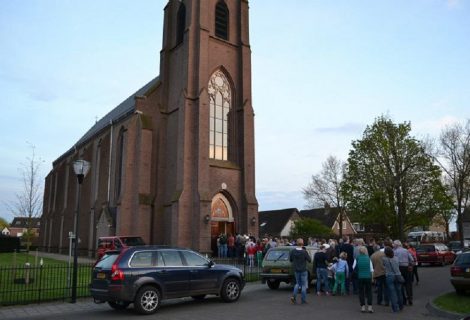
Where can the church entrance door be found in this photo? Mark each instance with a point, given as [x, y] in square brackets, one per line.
[222, 221]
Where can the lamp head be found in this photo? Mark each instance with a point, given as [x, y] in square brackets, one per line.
[81, 168]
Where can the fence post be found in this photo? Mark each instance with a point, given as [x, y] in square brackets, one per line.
[14, 264]
[40, 281]
[27, 273]
[244, 263]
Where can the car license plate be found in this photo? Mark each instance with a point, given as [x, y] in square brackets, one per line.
[100, 275]
[276, 270]
[424, 256]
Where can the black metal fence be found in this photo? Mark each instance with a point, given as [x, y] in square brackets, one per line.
[36, 283]
[251, 269]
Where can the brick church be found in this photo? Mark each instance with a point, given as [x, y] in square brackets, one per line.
[174, 163]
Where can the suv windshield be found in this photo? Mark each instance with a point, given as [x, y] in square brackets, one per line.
[277, 255]
[106, 262]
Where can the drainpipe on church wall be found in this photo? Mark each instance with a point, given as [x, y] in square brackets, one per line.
[110, 160]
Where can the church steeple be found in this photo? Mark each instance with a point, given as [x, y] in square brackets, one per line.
[205, 74]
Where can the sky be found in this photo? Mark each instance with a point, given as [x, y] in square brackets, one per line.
[321, 72]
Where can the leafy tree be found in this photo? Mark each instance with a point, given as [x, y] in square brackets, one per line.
[3, 223]
[28, 202]
[454, 159]
[307, 227]
[392, 180]
[325, 188]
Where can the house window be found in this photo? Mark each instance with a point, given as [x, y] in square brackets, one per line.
[181, 23]
[221, 20]
[219, 104]
[344, 225]
[358, 226]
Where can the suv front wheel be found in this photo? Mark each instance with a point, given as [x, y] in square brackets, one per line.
[147, 300]
[231, 290]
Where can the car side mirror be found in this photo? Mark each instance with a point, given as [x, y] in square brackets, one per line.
[210, 264]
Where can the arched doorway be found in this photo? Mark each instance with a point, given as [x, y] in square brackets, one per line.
[222, 220]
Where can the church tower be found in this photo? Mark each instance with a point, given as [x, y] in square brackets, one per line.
[206, 180]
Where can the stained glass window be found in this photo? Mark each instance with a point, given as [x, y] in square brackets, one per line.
[220, 102]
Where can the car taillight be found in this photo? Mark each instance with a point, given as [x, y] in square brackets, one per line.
[456, 271]
[116, 273]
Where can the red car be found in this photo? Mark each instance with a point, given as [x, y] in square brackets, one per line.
[434, 253]
[117, 243]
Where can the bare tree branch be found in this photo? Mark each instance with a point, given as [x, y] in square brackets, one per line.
[28, 202]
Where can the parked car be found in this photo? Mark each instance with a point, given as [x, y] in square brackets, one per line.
[434, 253]
[456, 246]
[117, 243]
[277, 267]
[460, 273]
[146, 275]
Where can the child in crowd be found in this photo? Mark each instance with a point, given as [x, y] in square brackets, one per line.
[341, 273]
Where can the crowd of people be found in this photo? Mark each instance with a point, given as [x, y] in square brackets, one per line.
[345, 267]
[342, 266]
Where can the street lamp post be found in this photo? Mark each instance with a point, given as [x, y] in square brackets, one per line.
[80, 167]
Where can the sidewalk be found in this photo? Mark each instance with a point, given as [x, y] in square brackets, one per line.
[87, 305]
[65, 307]
[49, 308]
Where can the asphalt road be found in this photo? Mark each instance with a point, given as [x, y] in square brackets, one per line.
[259, 302]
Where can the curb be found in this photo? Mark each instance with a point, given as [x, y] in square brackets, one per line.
[435, 310]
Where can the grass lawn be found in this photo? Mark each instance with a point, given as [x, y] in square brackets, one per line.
[7, 259]
[454, 302]
[49, 282]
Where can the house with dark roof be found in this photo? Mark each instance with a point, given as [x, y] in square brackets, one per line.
[330, 217]
[5, 231]
[277, 223]
[20, 225]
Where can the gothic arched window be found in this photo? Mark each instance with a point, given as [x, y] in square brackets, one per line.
[219, 103]
[221, 20]
[180, 23]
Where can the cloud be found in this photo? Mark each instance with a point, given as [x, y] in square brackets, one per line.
[346, 128]
[42, 96]
[453, 3]
[279, 199]
[434, 126]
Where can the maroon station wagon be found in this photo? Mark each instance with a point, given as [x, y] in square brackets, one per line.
[434, 253]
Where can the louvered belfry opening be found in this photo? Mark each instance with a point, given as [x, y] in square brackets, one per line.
[181, 23]
[221, 20]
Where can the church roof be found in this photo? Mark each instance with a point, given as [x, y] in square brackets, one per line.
[124, 109]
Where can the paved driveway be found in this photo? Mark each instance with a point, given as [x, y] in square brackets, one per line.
[257, 302]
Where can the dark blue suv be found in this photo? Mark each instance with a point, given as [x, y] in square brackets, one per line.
[146, 275]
